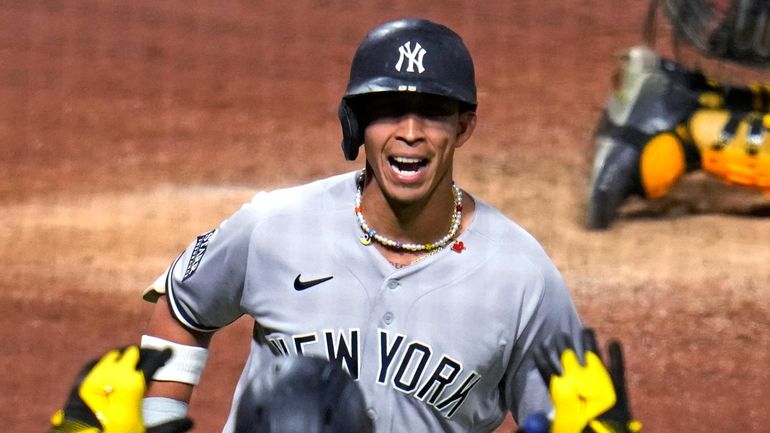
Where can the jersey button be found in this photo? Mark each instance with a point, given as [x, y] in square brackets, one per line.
[393, 284]
[371, 413]
[387, 318]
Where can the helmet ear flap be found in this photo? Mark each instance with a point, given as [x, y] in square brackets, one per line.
[352, 138]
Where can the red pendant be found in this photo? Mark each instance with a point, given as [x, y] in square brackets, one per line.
[458, 247]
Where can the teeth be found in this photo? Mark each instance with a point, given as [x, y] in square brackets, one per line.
[405, 160]
[405, 171]
[406, 166]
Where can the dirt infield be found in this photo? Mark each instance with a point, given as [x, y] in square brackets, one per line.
[127, 128]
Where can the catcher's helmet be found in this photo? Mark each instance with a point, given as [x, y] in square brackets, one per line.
[303, 395]
[407, 55]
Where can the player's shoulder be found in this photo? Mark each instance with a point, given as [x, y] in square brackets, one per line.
[493, 224]
[329, 193]
[306, 202]
[505, 236]
[508, 241]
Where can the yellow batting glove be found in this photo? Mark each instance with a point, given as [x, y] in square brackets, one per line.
[587, 397]
[580, 393]
[114, 391]
[107, 395]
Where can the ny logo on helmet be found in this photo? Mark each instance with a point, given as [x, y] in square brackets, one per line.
[414, 56]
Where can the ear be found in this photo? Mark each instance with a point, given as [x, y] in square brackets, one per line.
[466, 125]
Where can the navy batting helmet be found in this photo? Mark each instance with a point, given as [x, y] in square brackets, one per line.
[303, 395]
[407, 55]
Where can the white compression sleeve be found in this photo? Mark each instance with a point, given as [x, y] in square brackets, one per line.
[159, 410]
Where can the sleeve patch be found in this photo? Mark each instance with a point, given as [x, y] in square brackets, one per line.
[201, 243]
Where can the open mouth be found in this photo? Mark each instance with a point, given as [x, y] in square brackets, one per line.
[407, 166]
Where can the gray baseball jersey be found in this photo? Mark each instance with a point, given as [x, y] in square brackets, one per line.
[444, 344]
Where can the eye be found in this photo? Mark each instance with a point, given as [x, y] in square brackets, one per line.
[434, 109]
[393, 106]
[387, 111]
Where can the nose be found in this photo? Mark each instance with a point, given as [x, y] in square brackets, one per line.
[410, 129]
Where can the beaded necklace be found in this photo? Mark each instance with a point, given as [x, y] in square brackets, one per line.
[371, 234]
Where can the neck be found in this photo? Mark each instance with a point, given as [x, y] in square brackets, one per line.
[420, 221]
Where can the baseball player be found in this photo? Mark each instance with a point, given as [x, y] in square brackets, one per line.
[428, 297]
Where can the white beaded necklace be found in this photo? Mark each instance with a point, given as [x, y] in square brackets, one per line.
[371, 234]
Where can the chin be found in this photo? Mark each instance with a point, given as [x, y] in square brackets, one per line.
[407, 193]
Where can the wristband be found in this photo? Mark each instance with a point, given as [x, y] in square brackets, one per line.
[186, 362]
[160, 410]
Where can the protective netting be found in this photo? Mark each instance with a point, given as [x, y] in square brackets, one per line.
[733, 30]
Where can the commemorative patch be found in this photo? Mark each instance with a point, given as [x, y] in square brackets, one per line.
[201, 243]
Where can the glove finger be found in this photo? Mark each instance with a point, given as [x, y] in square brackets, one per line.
[74, 397]
[75, 408]
[111, 357]
[618, 374]
[544, 363]
[127, 357]
[175, 426]
[150, 360]
[616, 367]
[589, 342]
[84, 371]
[563, 342]
[570, 363]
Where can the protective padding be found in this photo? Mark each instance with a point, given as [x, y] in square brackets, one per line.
[352, 136]
[662, 162]
[736, 157]
[407, 55]
[732, 30]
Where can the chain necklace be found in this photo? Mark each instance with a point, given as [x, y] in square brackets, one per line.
[371, 234]
[415, 261]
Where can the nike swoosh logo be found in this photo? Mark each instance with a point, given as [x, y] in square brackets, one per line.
[302, 285]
